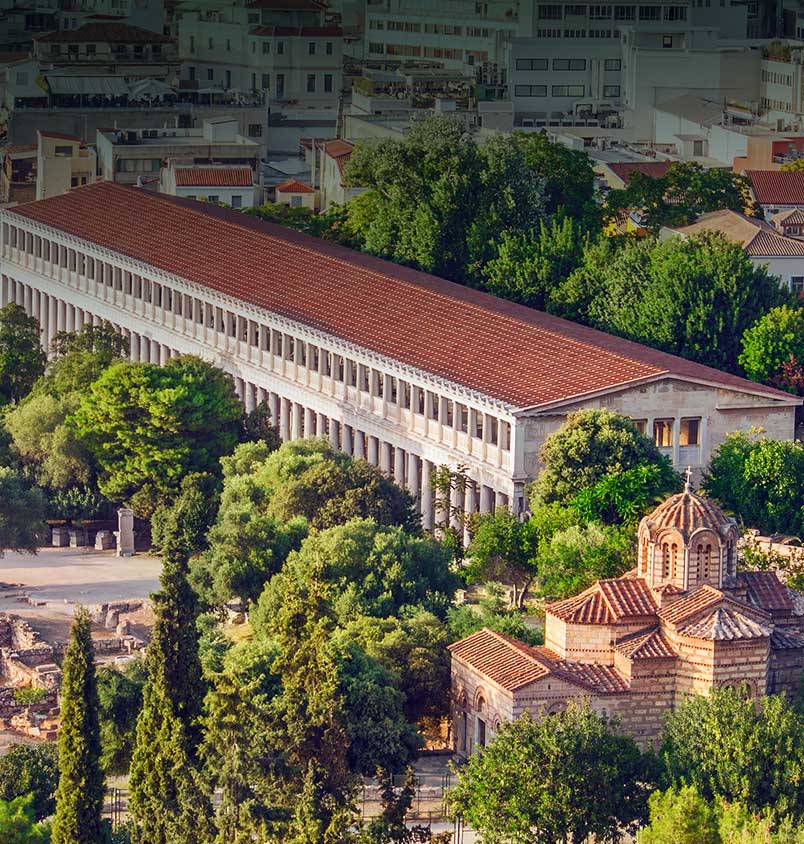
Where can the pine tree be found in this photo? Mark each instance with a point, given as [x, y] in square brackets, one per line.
[169, 798]
[80, 793]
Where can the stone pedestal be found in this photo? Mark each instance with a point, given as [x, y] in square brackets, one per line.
[104, 540]
[125, 532]
[78, 537]
[60, 537]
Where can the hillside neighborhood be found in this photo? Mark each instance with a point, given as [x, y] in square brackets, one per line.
[401, 422]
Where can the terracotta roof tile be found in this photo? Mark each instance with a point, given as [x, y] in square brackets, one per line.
[649, 644]
[625, 169]
[687, 512]
[758, 238]
[112, 33]
[766, 591]
[601, 679]
[725, 624]
[783, 638]
[777, 187]
[606, 602]
[294, 186]
[59, 136]
[701, 599]
[13, 57]
[223, 177]
[507, 662]
[17, 148]
[515, 354]
[791, 217]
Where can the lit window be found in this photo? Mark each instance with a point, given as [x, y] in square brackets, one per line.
[663, 432]
[689, 432]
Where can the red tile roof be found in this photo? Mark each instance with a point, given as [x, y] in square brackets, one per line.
[650, 644]
[777, 187]
[294, 186]
[758, 238]
[698, 601]
[271, 30]
[791, 217]
[112, 33]
[724, 624]
[17, 148]
[626, 169]
[218, 177]
[687, 512]
[512, 664]
[59, 136]
[765, 591]
[515, 354]
[606, 602]
[507, 662]
[12, 57]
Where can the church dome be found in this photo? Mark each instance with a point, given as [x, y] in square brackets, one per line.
[685, 542]
[688, 513]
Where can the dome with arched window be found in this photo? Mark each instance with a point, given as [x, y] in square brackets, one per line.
[687, 541]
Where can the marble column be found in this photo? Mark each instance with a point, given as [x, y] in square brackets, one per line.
[427, 495]
[320, 425]
[360, 444]
[309, 423]
[155, 352]
[486, 499]
[412, 474]
[284, 420]
[347, 446]
[372, 450]
[399, 466]
[297, 421]
[500, 501]
[164, 354]
[334, 433]
[134, 351]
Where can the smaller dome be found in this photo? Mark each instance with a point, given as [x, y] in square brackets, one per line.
[687, 513]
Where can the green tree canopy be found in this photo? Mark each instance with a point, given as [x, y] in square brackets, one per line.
[591, 445]
[190, 515]
[82, 787]
[739, 750]
[680, 816]
[761, 480]
[692, 297]
[119, 702]
[679, 197]
[148, 427]
[18, 823]
[362, 568]
[31, 770]
[773, 340]
[562, 778]
[438, 201]
[22, 513]
[169, 803]
[22, 359]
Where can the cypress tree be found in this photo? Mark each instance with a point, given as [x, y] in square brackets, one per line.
[80, 793]
[169, 800]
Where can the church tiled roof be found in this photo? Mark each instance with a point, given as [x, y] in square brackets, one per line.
[725, 624]
[606, 602]
[650, 644]
[688, 512]
[701, 599]
[783, 638]
[765, 591]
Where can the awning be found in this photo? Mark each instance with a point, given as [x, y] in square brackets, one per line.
[114, 86]
[150, 88]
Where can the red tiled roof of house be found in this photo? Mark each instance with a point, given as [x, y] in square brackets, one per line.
[112, 33]
[13, 57]
[626, 169]
[791, 217]
[724, 624]
[217, 177]
[765, 591]
[606, 602]
[601, 679]
[650, 644]
[337, 148]
[507, 662]
[294, 186]
[758, 238]
[18, 148]
[271, 30]
[287, 5]
[59, 136]
[777, 187]
[517, 355]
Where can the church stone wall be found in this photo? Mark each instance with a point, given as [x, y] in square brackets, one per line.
[785, 672]
[579, 642]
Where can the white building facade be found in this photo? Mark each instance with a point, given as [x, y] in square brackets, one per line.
[345, 384]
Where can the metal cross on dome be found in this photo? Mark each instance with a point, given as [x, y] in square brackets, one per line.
[688, 483]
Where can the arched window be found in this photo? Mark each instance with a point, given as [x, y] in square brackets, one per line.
[699, 556]
[707, 561]
[644, 563]
[665, 560]
[730, 559]
[673, 560]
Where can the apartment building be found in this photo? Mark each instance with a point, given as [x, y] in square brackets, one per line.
[285, 48]
[63, 162]
[231, 185]
[458, 34]
[136, 156]
[406, 370]
[597, 60]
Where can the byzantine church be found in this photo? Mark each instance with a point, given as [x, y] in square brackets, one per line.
[684, 621]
